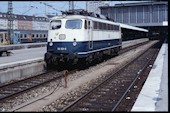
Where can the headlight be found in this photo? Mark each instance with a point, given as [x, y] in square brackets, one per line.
[51, 44]
[74, 42]
[62, 36]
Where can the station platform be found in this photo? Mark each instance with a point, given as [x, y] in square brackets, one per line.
[22, 46]
[154, 93]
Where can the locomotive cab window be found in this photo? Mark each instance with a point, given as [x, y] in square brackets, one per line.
[73, 24]
[56, 24]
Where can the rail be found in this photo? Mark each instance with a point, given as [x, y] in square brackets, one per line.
[114, 86]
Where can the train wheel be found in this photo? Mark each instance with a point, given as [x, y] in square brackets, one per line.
[82, 63]
[116, 51]
[99, 57]
[70, 65]
[48, 66]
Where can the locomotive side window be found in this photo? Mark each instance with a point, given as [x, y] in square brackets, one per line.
[95, 25]
[73, 24]
[55, 24]
[112, 27]
[116, 28]
[109, 26]
[100, 26]
[104, 26]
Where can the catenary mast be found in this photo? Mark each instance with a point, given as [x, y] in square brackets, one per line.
[10, 21]
[71, 5]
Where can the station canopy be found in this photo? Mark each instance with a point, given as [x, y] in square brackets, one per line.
[132, 27]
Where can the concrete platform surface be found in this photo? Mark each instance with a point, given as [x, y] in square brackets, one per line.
[154, 93]
[22, 54]
[22, 46]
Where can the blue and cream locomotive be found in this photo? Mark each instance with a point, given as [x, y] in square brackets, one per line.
[81, 37]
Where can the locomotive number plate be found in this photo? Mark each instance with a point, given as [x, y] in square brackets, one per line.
[61, 48]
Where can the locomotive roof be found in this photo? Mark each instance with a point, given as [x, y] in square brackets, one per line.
[82, 17]
[69, 17]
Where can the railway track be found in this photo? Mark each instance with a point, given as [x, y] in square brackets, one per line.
[108, 95]
[129, 99]
[127, 103]
[8, 91]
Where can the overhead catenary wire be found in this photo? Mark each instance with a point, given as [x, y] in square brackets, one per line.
[51, 7]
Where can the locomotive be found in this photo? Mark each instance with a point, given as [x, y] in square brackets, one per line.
[81, 37]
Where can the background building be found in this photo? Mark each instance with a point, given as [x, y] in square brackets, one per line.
[24, 22]
[138, 14]
[93, 6]
[149, 15]
[26, 27]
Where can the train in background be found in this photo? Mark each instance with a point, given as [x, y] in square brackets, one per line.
[32, 36]
[81, 37]
[19, 37]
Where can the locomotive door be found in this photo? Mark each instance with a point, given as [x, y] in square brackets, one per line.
[1, 38]
[90, 35]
